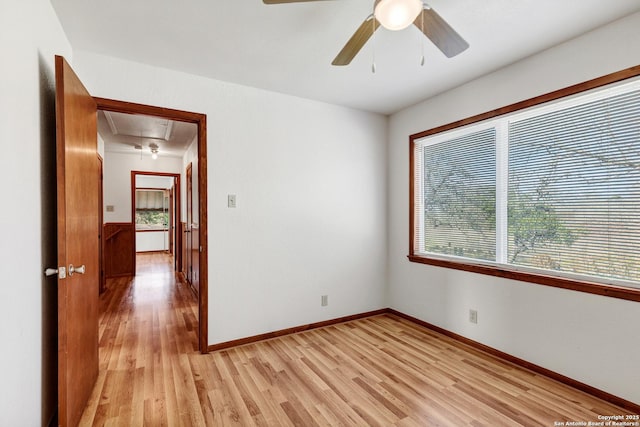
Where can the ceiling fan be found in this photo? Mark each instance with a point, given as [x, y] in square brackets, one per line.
[397, 15]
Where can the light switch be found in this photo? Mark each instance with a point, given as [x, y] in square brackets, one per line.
[109, 208]
[231, 201]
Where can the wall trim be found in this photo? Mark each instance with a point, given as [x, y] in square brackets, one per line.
[593, 391]
[294, 330]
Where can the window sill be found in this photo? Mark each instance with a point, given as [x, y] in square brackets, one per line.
[150, 230]
[613, 291]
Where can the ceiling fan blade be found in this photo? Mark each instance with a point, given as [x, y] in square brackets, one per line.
[440, 33]
[357, 40]
[287, 1]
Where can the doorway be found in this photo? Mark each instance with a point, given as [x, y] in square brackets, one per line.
[199, 120]
[156, 208]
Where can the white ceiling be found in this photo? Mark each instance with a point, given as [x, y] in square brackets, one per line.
[288, 48]
[136, 134]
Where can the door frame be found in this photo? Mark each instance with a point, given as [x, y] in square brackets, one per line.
[188, 188]
[103, 280]
[201, 121]
[178, 214]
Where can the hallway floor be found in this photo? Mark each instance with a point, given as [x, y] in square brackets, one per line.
[148, 330]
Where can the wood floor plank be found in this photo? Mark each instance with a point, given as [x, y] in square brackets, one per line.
[377, 371]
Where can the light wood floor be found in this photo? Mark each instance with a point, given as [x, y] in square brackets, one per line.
[378, 371]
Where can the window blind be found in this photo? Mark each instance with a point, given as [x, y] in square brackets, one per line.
[457, 195]
[574, 189]
[150, 199]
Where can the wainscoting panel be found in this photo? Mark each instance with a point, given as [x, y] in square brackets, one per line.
[119, 249]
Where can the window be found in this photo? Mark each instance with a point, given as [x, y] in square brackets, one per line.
[548, 194]
[152, 209]
[459, 193]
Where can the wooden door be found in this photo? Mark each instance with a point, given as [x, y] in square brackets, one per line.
[170, 226]
[188, 271]
[183, 249]
[195, 253]
[78, 191]
[103, 280]
[193, 220]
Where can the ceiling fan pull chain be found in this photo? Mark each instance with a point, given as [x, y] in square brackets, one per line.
[422, 38]
[373, 45]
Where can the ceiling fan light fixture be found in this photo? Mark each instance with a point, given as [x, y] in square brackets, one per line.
[397, 14]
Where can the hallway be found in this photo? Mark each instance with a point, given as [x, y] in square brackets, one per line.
[148, 327]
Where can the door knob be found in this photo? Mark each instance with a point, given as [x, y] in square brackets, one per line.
[79, 270]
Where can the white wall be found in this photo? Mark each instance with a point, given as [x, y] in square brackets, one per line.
[100, 146]
[30, 36]
[152, 241]
[310, 180]
[154, 181]
[589, 338]
[117, 179]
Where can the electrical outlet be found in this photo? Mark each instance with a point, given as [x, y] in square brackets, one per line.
[231, 200]
[324, 300]
[473, 316]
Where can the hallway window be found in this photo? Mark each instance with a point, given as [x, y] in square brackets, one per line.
[152, 209]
